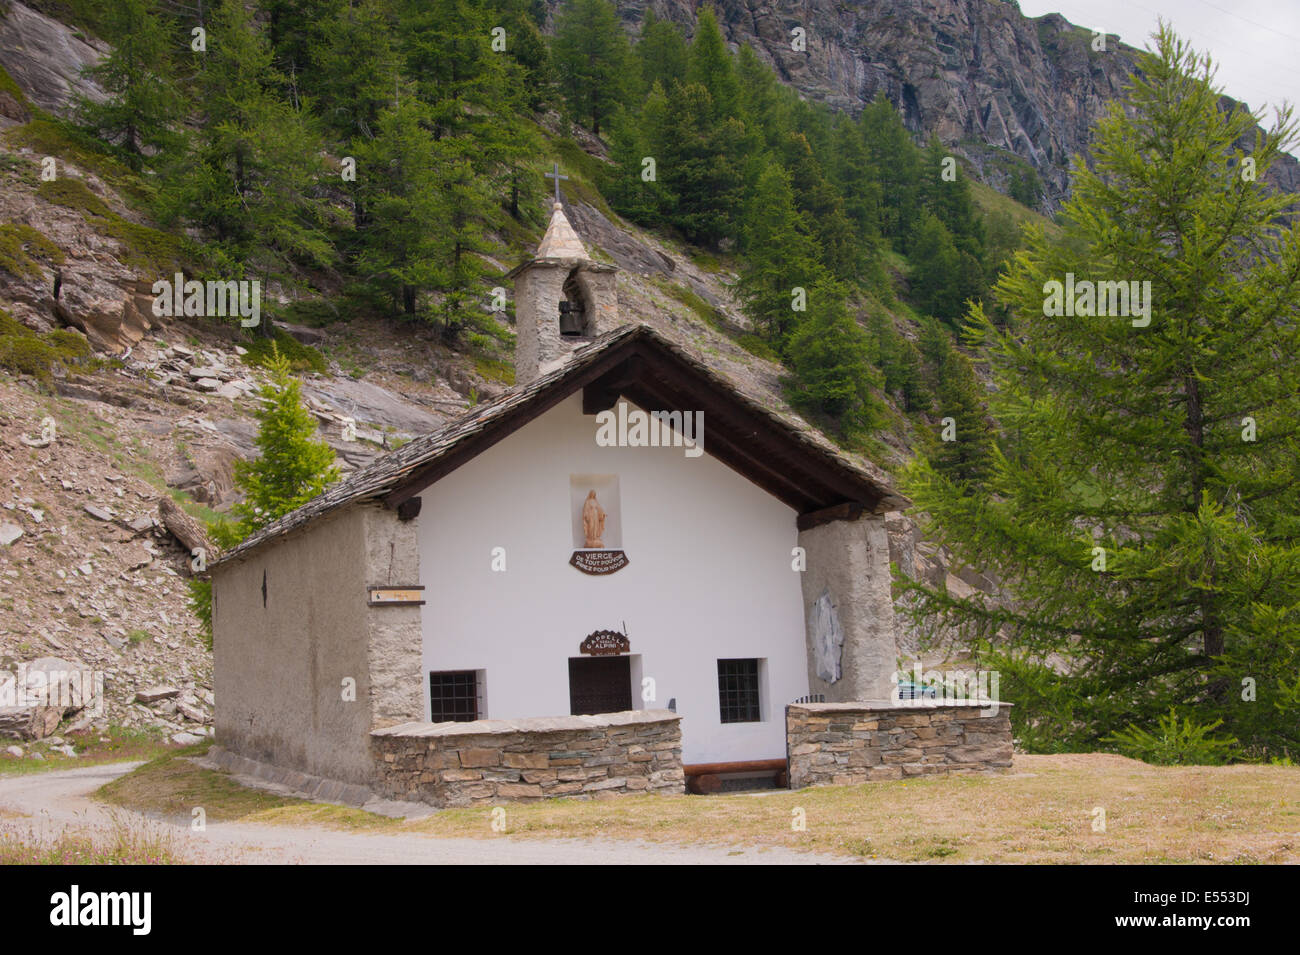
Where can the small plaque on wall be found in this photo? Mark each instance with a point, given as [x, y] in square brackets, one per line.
[396, 596]
[605, 643]
[598, 562]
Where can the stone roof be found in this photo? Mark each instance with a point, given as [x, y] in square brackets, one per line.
[560, 241]
[485, 423]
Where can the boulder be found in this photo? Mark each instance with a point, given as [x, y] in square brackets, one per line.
[41, 694]
[152, 694]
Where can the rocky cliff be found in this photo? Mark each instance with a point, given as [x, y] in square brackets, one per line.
[987, 80]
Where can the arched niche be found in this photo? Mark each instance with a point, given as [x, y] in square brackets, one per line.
[577, 311]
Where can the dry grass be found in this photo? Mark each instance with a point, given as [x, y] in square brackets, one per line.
[1042, 812]
[120, 842]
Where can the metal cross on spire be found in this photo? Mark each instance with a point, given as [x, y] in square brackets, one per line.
[557, 176]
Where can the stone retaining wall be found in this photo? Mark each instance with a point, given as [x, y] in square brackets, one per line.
[466, 764]
[838, 743]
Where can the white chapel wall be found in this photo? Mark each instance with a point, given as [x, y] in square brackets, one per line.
[709, 577]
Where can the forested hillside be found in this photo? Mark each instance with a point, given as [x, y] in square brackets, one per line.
[378, 165]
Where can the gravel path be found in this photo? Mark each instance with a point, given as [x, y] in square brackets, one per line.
[49, 802]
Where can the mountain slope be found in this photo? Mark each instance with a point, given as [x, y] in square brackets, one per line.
[996, 86]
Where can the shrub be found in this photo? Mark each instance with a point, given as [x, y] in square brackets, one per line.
[1178, 742]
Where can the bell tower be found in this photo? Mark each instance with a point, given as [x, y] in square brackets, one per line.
[562, 300]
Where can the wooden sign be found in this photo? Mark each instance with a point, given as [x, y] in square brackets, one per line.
[396, 596]
[598, 562]
[604, 643]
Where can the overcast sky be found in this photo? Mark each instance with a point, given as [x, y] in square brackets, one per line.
[1255, 43]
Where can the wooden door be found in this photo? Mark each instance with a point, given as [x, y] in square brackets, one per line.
[600, 685]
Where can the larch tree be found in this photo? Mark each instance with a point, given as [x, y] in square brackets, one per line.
[1142, 505]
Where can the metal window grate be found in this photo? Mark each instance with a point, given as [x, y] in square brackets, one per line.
[738, 691]
[453, 696]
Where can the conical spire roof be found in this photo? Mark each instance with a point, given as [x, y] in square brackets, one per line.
[560, 241]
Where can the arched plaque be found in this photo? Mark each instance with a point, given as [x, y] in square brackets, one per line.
[604, 643]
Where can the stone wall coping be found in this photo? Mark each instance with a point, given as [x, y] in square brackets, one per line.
[532, 724]
[879, 706]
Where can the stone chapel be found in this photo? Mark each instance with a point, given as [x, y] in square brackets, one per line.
[618, 576]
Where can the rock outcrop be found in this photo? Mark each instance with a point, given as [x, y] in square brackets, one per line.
[46, 58]
[987, 80]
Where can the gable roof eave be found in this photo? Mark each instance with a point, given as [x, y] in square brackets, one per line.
[405, 472]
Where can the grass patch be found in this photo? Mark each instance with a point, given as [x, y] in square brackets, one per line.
[48, 136]
[25, 352]
[495, 369]
[1040, 814]
[301, 357]
[752, 342]
[115, 745]
[173, 786]
[22, 249]
[9, 85]
[144, 247]
[584, 171]
[991, 202]
[204, 515]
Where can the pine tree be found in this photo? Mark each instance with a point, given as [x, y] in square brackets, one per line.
[1142, 506]
[830, 360]
[249, 178]
[662, 52]
[356, 64]
[292, 468]
[936, 278]
[142, 111]
[897, 168]
[593, 60]
[702, 163]
[710, 66]
[963, 451]
[398, 184]
[780, 255]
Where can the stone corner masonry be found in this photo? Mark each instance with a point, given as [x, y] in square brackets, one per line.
[855, 742]
[485, 761]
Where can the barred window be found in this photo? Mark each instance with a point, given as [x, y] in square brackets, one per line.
[453, 696]
[738, 691]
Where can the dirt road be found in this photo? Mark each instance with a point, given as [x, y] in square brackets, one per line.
[47, 803]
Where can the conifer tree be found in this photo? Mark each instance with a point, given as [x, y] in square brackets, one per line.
[962, 453]
[936, 276]
[896, 163]
[143, 108]
[830, 360]
[662, 52]
[780, 255]
[356, 65]
[710, 66]
[249, 178]
[702, 162]
[398, 185]
[593, 60]
[1141, 508]
[292, 468]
